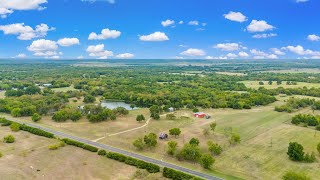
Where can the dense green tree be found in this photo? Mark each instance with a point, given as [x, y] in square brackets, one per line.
[295, 151]
[15, 127]
[172, 147]
[150, 140]
[138, 143]
[140, 118]
[16, 112]
[206, 161]
[214, 148]
[89, 99]
[36, 117]
[175, 132]
[190, 152]
[194, 141]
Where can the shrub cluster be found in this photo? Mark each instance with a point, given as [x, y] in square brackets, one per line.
[80, 144]
[151, 168]
[177, 175]
[5, 122]
[308, 119]
[36, 131]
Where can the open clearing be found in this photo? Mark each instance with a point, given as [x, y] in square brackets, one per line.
[255, 85]
[64, 89]
[254, 158]
[2, 94]
[30, 153]
[231, 73]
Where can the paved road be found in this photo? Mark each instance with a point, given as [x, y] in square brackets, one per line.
[117, 150]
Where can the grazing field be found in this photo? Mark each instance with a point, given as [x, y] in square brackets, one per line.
[255, 85]
[30, 158]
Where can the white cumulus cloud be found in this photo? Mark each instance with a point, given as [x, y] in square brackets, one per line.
[9, 6]
[277, 51]
[21, 56]
[264, 35]
[193, 23]
[99, 51]
[259, 26]
[105, 34]
[167, 22]
[313, 37]
[193, 52]
[43, 47]
[228, 46]
[235, 16]
[125, 56]
[156, 36]
[25, 32]
[300, 50]
[243, 54]
[68, 41]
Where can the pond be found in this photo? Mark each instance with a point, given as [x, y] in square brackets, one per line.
[115, 104]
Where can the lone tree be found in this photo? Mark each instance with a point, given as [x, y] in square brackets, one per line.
[150, 140]
[175, 132]
[132, 106]
[140, 118]
[213, 126]
[36, 117]
[172, 147]
[194, 142]
[206, 161]
[138, 143]
[295, 151]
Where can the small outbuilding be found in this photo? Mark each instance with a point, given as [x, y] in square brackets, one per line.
[199, 115]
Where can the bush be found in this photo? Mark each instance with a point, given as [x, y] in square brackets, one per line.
[9, 139]
[235, 138]
[15, 127]
[295, 151]
[318, 127]
[80, 144]
[1, 155]
[310, 158]
[36, 131]
[5, 122]
[214, 148]
[151, 168]
[178, 175]
[206, 161]
[54, 147]
[36, 117]
[102, 152]
[194, 141]
[291, 175]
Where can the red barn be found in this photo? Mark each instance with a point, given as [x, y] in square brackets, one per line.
[199, 115]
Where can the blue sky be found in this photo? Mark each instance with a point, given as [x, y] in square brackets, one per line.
[197, 29]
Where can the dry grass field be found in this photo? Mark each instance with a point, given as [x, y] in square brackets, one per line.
[30, 158]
